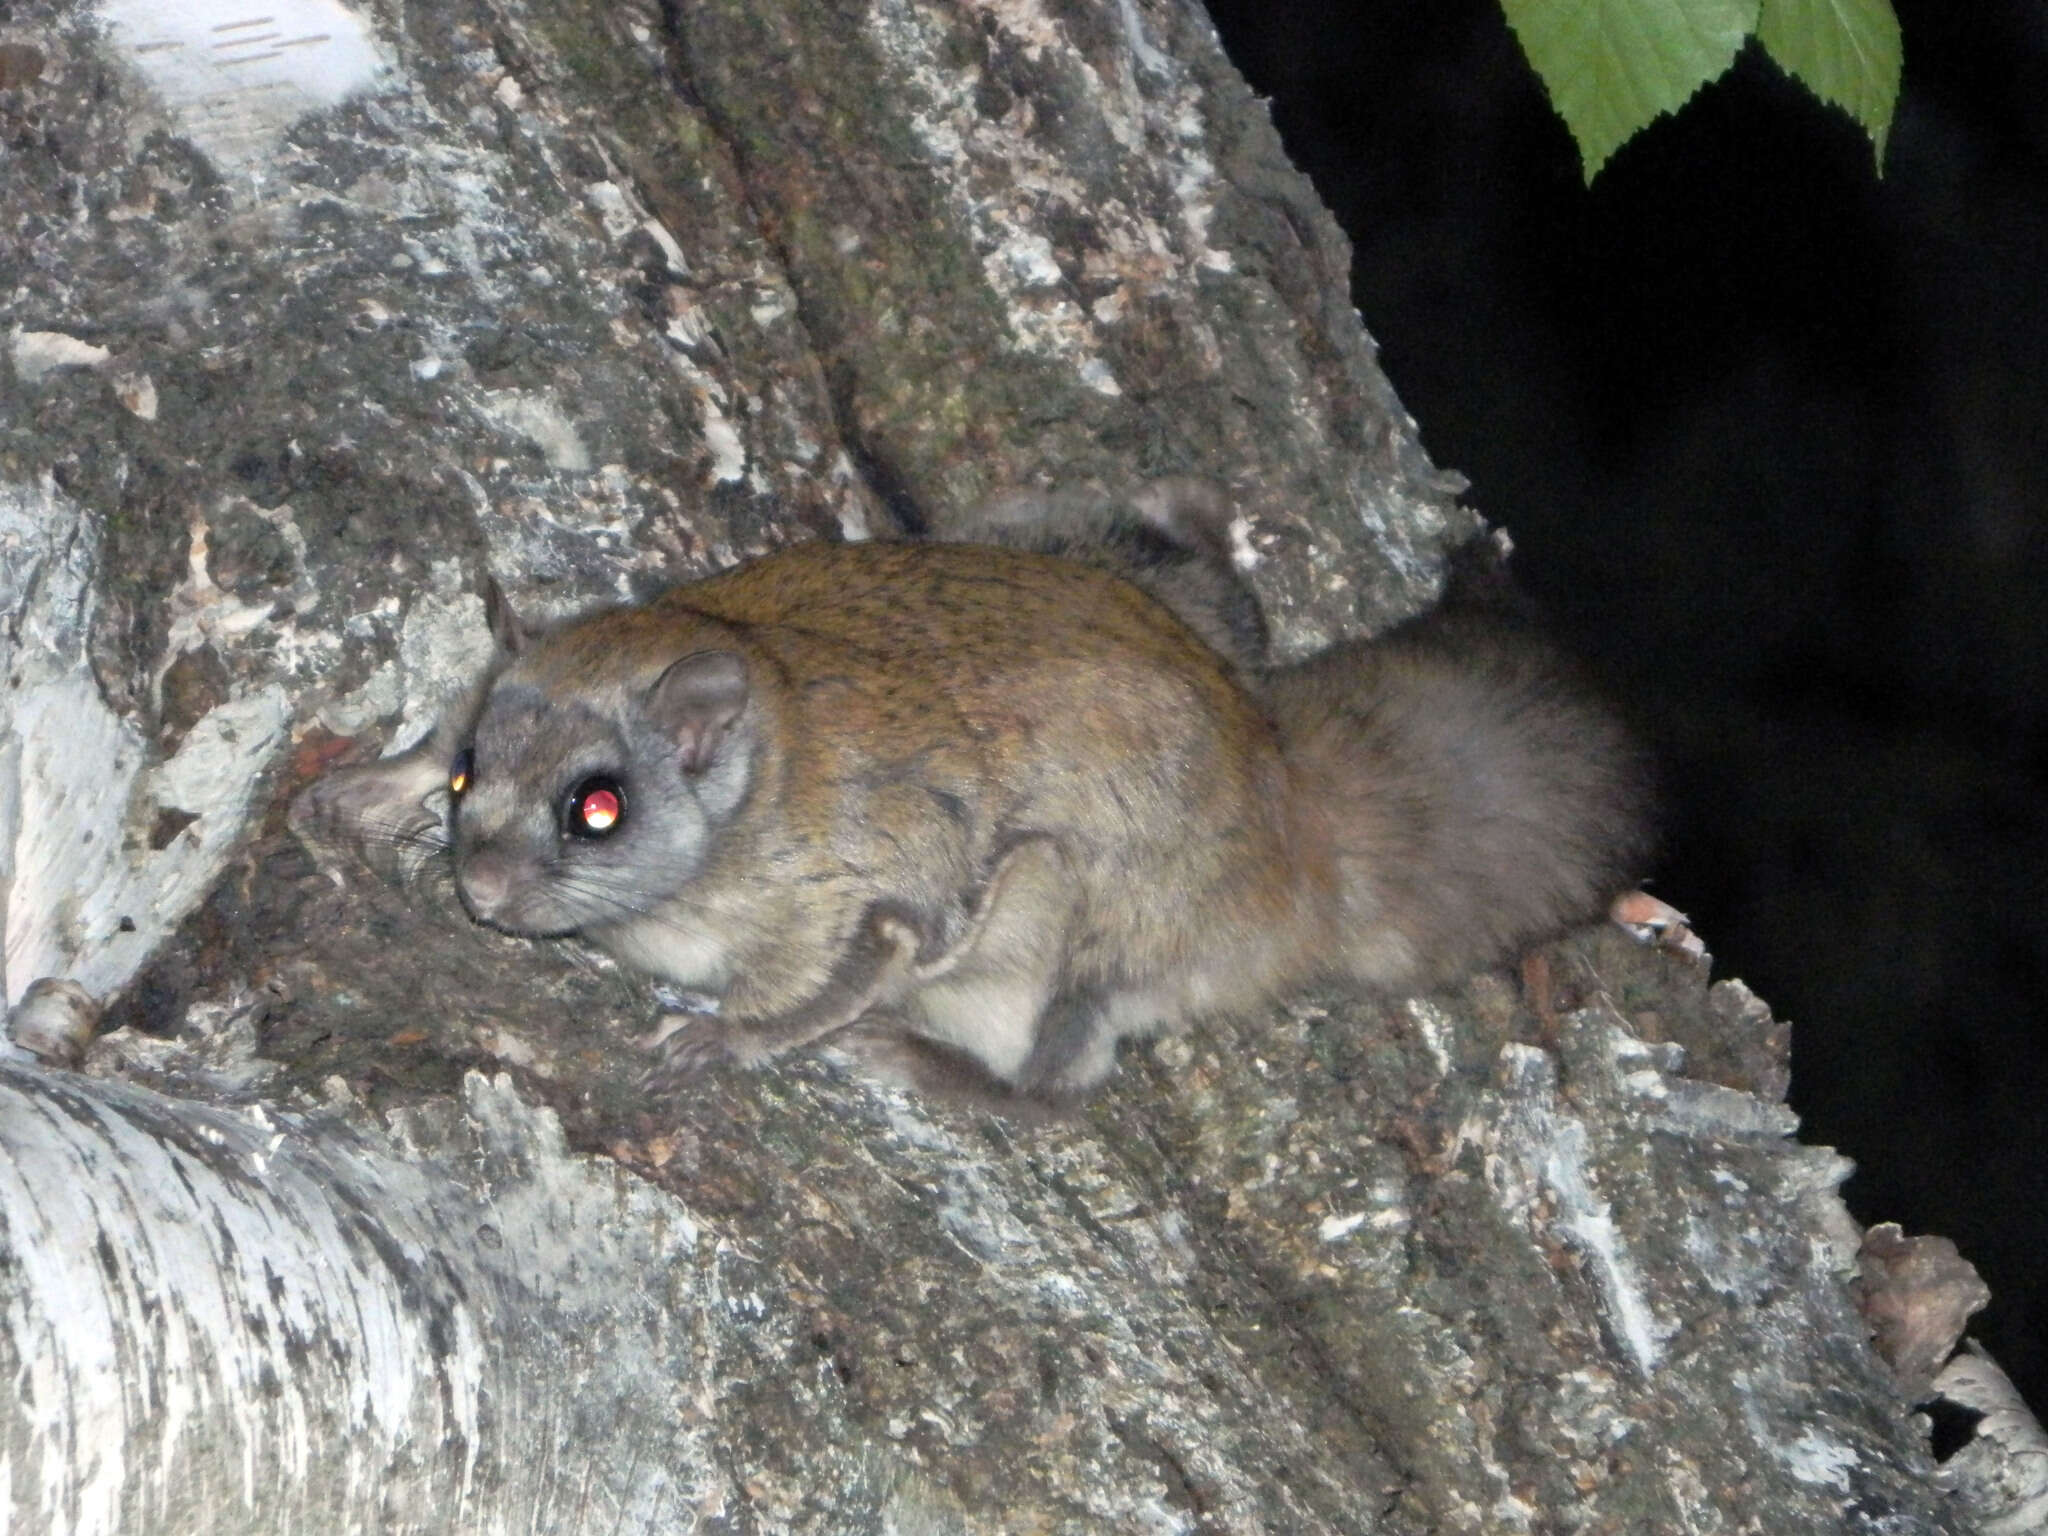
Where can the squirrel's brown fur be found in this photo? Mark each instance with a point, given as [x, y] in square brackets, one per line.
[1003, 809]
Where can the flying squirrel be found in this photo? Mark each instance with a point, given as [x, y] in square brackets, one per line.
[981, 810]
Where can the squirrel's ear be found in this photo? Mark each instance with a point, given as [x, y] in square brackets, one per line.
[696, 701]
[512, 635]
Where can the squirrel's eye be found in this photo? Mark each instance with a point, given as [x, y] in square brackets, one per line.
[596, 807]
[460, 771]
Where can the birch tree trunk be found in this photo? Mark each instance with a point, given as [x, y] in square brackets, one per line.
[321, 319]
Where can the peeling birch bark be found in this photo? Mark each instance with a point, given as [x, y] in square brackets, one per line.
[252, 1320]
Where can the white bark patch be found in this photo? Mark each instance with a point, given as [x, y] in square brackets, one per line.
[137, 394]
[671, 249]
[688, 331]
[1541, 1161]
[368, 1335]
[235, 75]
[90, 897]
[1820, 1461]
[728, 453]
[38, 353]
[1336, 1228]
[614, 211]
[444, 647]
[106, 850]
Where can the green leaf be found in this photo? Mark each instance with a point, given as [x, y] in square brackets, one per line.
[1847, 52]
[1614, 66]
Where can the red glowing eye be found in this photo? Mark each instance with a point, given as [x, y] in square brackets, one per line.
[596, 806]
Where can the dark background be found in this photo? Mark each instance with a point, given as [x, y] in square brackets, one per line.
[1772, 437]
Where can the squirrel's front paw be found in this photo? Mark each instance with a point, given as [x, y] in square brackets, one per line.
[698, 1044]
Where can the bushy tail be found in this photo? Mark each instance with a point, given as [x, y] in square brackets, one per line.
[1459, 795]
